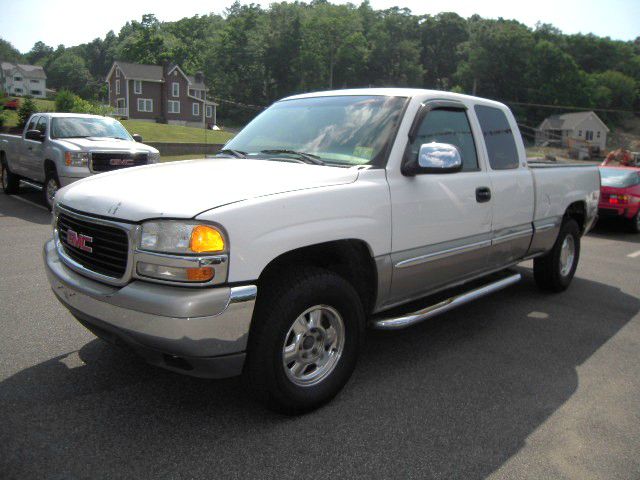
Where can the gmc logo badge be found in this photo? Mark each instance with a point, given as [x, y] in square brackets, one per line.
[121, 162]
[79, 241]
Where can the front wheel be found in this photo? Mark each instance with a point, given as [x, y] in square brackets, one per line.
[305, 339]
[554, 271]
[51, 187]
[10, 181]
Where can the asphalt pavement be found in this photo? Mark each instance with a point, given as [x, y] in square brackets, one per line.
[520, 384]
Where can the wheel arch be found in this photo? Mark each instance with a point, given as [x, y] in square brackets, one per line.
[352, 259]
[577, 211]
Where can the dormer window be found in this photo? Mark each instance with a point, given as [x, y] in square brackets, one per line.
[117, 73]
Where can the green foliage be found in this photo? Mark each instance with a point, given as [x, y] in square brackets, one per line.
[27, 108]
[255, 55]
[67, 101]
[8, 52]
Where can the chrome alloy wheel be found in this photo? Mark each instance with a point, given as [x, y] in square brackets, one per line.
[313, 345]
[567, 255]
[51, 188]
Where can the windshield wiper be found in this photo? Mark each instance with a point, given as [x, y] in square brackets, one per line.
[233, 153]
[305, 157]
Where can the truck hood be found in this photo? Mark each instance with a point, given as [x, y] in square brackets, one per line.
[185, 189]
[101, 143]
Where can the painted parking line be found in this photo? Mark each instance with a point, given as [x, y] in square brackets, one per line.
[634, 254]
[33, 204]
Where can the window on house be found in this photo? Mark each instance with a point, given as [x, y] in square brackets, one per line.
[498, 137]
[18, 90]
[34, 81]
[117, 73]
[137, 87]
[448, 126]
[209, 111]
[117, 86]
[175, 89]
[579, 133]
[17, 79]
[145, 105]
[192, 92]
[174, 106]
[36, 92]
[589, 135]
[195, 109]
[598, 134]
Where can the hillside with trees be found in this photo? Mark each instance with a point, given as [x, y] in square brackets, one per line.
[253, 56]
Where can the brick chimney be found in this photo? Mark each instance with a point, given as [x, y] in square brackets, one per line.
[199, 76]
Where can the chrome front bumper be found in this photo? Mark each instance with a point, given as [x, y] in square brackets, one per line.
[200, 332]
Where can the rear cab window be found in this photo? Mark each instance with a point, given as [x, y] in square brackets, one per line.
[498, 137]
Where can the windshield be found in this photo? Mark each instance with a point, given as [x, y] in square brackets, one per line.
[78, 127]
[611, 177]
[350, 130]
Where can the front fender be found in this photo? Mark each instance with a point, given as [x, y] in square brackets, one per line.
[264, 228]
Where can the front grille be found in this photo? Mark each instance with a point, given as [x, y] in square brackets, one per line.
[105, 252]
[105, 161]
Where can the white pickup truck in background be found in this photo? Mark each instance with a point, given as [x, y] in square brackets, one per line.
[329, 212]
[56, 149]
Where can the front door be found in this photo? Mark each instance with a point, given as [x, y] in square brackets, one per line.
[33, 161]
[441, 223]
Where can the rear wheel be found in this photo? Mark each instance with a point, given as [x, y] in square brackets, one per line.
[50, 188]
[10, 181]
[554, 271]
[304, 340]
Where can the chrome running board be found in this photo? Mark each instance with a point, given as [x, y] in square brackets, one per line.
[37, 186]
[396, 323]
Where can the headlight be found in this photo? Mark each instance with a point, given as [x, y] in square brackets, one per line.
[181, 238]
[76, 159]
[153, 157]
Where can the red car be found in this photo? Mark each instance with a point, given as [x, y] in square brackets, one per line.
[620, 194]
[12, 104]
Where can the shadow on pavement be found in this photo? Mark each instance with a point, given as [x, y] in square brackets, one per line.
[12, 206]
[452, 398]
[614, 229]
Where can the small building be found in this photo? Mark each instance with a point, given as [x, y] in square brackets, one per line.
[573, 129]
[21, 80]
[159, 93]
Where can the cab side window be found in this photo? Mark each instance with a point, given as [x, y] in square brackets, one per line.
[42, 125]
[32, 123]
[448, 125]
[498, 137]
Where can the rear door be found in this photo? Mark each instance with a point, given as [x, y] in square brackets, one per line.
[440, 227]
[511, 181]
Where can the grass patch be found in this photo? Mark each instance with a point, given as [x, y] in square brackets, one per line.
[159, 132]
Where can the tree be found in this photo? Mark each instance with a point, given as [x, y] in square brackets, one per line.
[27, 109]
[440, 38]
[38, 53]
[9, 53]
[65, 101]
[68, 71]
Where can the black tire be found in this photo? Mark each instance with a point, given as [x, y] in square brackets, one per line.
[634, 223]
[10, 181]
[50, 176]
[548, 269]
[281, 300]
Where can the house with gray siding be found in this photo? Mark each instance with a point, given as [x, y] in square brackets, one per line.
[573, 129]
[163, 93]
[22, 80]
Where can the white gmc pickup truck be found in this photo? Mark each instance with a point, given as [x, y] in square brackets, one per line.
[328, 213]
[56, 149]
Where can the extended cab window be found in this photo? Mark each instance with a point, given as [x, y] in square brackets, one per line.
[42, 125]
[450, 126]
[498, 137]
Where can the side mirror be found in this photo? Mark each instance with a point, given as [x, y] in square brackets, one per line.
[434, 158]
[137, 138]
[36, 135]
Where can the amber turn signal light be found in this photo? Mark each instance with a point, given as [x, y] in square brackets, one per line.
[202, 274]
[206, 239]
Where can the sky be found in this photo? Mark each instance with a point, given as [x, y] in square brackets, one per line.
[72, 22]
